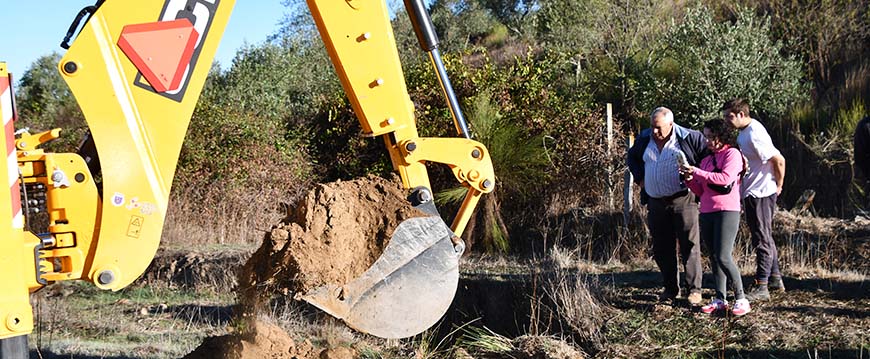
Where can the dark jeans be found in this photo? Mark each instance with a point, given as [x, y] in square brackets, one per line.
[719, 230]
[672, 221]
[759, 217]
[865, 186]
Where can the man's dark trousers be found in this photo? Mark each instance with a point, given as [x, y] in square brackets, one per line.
[759, 217]
[675, 220]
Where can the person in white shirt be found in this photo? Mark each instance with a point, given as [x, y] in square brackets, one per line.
[761, 186]
[672, 210]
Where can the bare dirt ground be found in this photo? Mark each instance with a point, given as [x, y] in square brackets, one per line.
[189, 303]
[816, 317]
[819, 316]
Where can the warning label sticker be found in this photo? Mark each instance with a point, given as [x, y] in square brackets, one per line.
[135, 227]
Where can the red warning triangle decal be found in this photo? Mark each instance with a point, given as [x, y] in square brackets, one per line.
[160, 50]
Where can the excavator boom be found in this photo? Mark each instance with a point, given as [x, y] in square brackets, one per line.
[136, 69]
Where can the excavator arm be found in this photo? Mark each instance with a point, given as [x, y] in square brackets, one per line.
[136, 70]
[359, 38]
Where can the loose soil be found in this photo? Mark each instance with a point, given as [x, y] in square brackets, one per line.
[334, 234]
[266, 341]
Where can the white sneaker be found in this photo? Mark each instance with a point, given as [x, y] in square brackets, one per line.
[741, 307]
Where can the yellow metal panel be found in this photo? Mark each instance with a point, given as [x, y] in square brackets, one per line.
[359, 39]
[17, 273]
[65, 239]
[73, 210]
[17, 257]
[137, 131]
[468, 159]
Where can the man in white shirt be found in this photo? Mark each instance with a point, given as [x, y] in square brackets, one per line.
[672, 210]
[761, 186]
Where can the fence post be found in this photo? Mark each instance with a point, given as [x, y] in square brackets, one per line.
[609, 181]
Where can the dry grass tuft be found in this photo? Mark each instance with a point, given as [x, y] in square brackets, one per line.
[227, 213]
[577, 303]
[599, 235]
[483, 340]
[809, 244]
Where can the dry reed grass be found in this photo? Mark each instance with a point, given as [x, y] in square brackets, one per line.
[599, 235]
[813, 246]
[232, 211]
[577, 302]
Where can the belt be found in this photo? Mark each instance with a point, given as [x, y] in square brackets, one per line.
[673, 196]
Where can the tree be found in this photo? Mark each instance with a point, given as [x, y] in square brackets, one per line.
[612, 44]
[706, 63]
[462, 23]
[826, 34]
[46, 102]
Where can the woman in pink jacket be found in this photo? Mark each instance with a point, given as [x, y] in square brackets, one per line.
[716, 181]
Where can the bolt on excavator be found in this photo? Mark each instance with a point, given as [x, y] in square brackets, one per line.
[136, 69]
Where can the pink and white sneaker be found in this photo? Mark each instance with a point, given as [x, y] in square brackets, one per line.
[741, 307]
[715, 305]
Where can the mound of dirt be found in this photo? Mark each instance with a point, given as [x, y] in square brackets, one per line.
[264, 341]
[334, 234]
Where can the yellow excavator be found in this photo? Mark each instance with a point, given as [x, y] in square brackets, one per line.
[136, 69]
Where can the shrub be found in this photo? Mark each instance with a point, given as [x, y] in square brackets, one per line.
[708, 63]
[46, 102]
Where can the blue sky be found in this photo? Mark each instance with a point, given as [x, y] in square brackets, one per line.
[35, 28]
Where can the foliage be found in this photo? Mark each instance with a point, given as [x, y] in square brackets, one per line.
[517, 156]
[826, 34]
[46, 102]
[565, 25]
[337, 149]
[848, 118]
[462, 23]
[612, 45]
[222, 138]
[289, 90]
[410, 52]
[708, 63]
[265, 99]
[277, 81]
[519, 17]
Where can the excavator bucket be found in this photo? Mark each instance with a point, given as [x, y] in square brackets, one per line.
[408, 288]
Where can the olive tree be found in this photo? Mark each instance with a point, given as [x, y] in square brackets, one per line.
[708, 62]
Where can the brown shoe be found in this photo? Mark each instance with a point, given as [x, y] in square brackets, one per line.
[695, 299]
